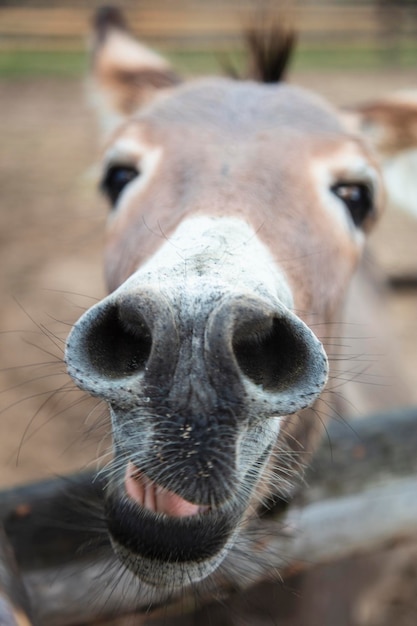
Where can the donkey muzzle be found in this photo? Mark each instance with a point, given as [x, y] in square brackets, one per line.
[195, 404]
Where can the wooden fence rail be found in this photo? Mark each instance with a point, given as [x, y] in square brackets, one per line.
[198, 24]
[359, 494]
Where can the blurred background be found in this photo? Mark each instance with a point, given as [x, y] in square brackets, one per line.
[333, 34]
[52, 224]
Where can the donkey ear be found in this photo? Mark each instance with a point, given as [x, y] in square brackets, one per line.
[390, 126]
[125, 73]
[390, 123]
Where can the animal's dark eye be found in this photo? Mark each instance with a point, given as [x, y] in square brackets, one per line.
[116, 179]
[358, 198]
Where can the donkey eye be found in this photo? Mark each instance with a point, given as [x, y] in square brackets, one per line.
[116, 179]
[358, 198]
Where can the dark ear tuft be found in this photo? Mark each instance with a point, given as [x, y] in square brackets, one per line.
[125, 73]
[108, 18]
[270, 49]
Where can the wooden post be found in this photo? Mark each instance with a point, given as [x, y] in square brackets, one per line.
[14, 601]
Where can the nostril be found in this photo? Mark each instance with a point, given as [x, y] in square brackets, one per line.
[271, 353]
[118, 343]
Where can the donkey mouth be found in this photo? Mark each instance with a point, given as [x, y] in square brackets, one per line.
[157, 499]
[162, 537]
[166, 539]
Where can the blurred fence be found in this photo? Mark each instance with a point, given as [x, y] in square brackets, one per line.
[206, 24]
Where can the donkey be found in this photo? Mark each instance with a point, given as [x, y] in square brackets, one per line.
[239, 210]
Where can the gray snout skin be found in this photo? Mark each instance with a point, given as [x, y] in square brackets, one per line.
[196, 395]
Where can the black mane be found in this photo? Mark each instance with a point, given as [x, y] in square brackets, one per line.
[270, 49]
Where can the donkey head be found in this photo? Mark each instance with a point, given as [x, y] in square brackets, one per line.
[238, 216]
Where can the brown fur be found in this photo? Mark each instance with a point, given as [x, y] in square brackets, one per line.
[391, 125]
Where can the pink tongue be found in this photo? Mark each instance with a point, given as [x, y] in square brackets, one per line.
[155, 498]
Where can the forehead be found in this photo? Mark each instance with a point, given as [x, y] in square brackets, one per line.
[238, 110]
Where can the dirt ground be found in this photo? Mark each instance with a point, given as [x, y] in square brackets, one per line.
[51, 239]
[52, 225]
